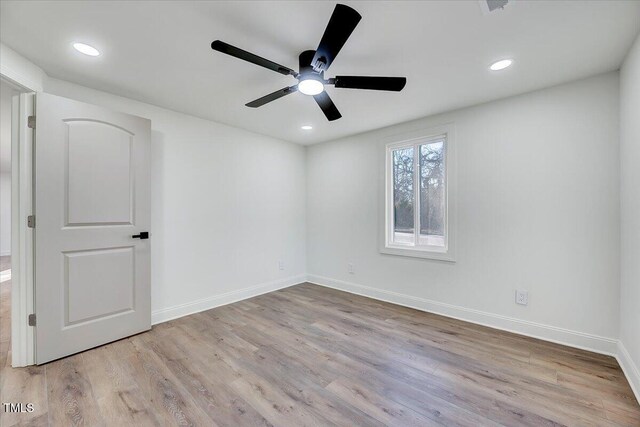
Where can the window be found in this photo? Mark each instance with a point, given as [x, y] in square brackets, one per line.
[418, 219]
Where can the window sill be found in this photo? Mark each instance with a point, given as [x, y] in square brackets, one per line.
[417, 253]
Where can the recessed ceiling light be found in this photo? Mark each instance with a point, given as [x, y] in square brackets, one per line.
[310, 87]
[86, 49]
[500, 65]
[306, 127]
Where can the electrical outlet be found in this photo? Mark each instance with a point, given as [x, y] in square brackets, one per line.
[522, 297]
[281, 265]
[350, 269]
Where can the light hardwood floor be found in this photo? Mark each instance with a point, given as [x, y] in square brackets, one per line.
[309, 355]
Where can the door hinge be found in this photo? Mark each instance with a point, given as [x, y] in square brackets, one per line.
[32, 320]
[31, 122]
[31, 221]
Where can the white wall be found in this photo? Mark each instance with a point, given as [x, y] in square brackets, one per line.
[538, 209]
[630, 214]
[20, 70]
[227, 205]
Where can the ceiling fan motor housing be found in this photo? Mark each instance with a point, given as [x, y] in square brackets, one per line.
[306, 70]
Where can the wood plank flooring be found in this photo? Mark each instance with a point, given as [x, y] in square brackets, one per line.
[309, 355]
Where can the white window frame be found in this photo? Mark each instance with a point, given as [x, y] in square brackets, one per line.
[414, 139]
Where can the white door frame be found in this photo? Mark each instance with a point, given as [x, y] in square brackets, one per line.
[22, 284]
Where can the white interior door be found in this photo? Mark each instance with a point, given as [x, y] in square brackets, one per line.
[92, 178]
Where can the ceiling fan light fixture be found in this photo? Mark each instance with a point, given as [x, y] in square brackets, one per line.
[311, 87]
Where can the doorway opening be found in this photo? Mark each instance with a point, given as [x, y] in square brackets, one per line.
[7, 92]
[16, 340]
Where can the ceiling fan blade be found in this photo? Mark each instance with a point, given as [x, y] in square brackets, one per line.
[341, 24]
[223, 47]
[374, 83]
[327, 106]
[272, 96]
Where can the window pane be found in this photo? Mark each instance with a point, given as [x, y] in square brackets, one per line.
[432, 194]
[403, 231]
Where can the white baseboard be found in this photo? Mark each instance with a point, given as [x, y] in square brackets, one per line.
[629, 368]
[169, 313]
[581, 340]
[5, 253]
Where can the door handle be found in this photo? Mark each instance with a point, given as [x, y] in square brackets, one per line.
[143, 235]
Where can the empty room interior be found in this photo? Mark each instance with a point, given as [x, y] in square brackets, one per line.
[312, 213]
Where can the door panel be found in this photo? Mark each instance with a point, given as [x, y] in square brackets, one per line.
[99, 174]
[98, 283]
[91, 195]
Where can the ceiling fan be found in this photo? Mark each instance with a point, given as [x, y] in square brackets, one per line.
[313, 64]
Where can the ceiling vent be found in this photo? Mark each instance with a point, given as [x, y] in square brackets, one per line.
[489, 6]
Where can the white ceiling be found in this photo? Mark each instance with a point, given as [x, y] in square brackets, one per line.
[159, 52]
